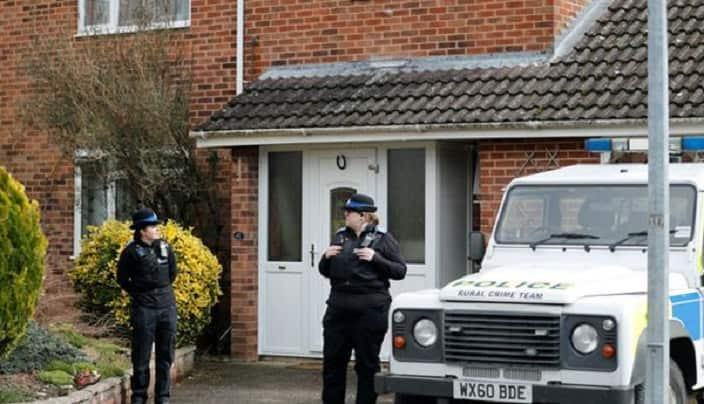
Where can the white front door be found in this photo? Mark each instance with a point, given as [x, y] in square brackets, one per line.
[335, 175]
[302, 193]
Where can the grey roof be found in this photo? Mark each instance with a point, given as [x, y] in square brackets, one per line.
[604, 77]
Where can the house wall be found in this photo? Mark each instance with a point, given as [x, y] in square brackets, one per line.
[500, 161]
[566, 11]
[35, 159]
[289, 32]
[279, 32]
[243, 257]
[30, 156]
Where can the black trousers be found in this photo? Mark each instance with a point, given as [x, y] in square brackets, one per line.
[345, 330]
[152, 326]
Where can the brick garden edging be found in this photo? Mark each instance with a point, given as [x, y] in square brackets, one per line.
[116, 390]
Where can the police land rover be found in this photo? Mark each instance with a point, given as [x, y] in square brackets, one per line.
[557, 313]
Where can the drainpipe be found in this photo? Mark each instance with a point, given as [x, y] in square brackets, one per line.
[239, 83]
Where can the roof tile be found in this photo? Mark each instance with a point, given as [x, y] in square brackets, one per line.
[603, 77]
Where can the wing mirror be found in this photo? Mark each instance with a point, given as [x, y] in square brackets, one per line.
[477, 246]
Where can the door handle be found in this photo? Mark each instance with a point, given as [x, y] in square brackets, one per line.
[312, 255]
[282, 267]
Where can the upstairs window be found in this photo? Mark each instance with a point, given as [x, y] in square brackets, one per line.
[110, 16]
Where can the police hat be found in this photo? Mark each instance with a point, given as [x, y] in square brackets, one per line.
[143, 217]
[360, 203]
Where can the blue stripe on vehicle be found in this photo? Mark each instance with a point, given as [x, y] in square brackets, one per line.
[687, 296]
[687, 308]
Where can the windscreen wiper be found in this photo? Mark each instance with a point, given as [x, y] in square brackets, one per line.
[642, 233]
[568, 236]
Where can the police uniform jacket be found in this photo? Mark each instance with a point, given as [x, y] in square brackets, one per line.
[351, 277]
[146, 272]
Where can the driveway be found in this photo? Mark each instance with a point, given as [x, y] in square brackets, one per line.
[286, 382]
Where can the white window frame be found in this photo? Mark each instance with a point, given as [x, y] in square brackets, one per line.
[112, 26]
[82, 156]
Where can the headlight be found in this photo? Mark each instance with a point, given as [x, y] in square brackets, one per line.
[399, 317]
[425, 332]
[585, 339]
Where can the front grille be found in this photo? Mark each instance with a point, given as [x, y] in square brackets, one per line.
[502, 339]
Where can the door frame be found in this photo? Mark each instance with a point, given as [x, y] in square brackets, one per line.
[380, 196]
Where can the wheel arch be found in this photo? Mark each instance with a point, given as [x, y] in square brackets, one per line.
[681, 351]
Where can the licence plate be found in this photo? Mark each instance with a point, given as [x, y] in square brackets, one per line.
[490, 391]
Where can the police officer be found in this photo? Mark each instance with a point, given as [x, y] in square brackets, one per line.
[146, 270]
[359, 262]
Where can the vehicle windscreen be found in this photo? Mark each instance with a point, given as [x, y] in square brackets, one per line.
[598, 214]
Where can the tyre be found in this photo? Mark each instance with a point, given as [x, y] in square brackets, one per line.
[677, 389]
[410, 399]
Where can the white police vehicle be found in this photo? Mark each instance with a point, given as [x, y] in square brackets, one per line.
[557, 313]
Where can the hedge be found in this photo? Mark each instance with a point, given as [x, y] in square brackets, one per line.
[196, 288]
[22, 251]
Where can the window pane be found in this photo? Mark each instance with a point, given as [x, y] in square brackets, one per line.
[338, 197]
[128, 11]
[182, 11]
[96, 12]
[146, 11]
[407, 202]
[94, 207]
[285, 206]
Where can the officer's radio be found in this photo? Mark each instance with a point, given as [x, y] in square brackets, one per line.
[368, 240]
[163, 250]
[338, 240]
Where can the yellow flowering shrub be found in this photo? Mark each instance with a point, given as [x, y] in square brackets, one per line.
[94, 276]
[22, 251]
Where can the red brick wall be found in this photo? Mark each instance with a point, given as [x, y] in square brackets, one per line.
[244, 201]
[35, 160]
[566, 11]
[31, 157]
[283, 32]
[500, 161]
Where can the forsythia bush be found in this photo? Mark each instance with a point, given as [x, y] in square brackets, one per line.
[94, 276]
[22, 250]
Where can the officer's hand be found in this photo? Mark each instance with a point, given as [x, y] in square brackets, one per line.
[364, 254]
[332, 251]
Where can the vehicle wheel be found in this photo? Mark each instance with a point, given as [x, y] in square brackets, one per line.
[409, 399]
[677, 389]
[639, 394]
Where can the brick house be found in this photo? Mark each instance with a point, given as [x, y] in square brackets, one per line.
[430, 106]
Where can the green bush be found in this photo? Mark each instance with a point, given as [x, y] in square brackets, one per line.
[197, 285]
[22, 250]
[14, 394]
[111, 370]
[37, 349]
[59, 365]
[68, 333]
[56, 377]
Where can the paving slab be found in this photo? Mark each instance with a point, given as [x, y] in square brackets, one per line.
[267, 382]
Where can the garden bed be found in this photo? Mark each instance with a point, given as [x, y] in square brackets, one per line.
[57, 361]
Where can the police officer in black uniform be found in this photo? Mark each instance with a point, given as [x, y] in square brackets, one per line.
[146, 270]
[359, 262]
